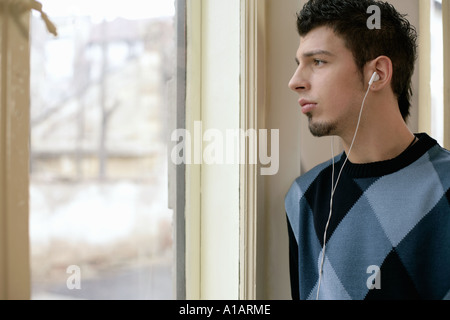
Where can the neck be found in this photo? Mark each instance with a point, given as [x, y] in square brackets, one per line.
[383, 137]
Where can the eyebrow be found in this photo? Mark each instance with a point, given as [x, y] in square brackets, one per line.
[315, 53]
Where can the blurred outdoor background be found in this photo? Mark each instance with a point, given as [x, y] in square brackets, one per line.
[98, 184]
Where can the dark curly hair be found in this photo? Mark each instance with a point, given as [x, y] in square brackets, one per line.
[396, 39]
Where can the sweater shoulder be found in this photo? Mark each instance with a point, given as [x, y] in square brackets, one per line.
[301, 185]
[440, 159]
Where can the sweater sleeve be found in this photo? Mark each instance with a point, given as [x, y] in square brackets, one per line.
[293, 264]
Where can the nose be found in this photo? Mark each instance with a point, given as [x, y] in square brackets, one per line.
[298, 81]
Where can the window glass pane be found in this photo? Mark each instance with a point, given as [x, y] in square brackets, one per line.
[100, 227]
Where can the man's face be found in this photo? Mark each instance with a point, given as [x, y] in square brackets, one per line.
[328, 83]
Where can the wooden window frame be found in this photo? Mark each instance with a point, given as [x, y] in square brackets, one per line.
[14, 152]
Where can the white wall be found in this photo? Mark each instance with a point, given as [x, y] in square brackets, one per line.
[281, 113]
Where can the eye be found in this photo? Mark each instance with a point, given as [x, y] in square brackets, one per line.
[318, 62]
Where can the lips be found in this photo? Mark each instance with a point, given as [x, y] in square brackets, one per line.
[307, 106]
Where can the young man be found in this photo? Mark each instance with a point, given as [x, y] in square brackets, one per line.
[374, 222]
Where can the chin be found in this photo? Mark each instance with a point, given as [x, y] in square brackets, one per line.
[321, 129]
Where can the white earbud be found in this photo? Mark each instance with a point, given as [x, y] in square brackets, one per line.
[375, 78]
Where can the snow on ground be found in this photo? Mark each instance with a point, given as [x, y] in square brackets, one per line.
[94, 213]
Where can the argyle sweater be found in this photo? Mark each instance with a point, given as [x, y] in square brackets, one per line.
[389, 235]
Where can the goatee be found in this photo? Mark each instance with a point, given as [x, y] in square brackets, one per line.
[321, 129]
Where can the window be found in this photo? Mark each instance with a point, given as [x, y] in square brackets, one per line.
[100, 226]
[433, 47]
[437, 73]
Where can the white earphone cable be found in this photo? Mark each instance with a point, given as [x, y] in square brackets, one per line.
[334, 186]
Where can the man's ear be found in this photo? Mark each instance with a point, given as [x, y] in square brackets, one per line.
[383, 67]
